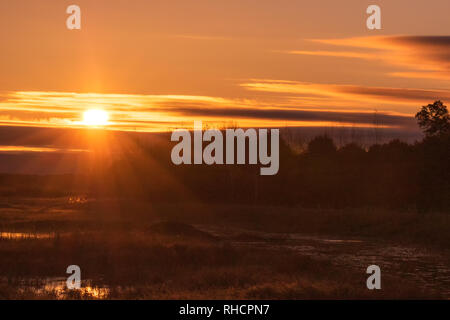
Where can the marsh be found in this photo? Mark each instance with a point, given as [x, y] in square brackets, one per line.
[195, 251]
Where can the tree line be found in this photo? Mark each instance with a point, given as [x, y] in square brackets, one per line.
[394, 175]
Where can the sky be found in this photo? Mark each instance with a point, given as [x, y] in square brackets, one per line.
[159, 65]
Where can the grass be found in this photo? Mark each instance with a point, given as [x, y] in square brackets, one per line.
[137, 256]
[141, 267]
[57, 215]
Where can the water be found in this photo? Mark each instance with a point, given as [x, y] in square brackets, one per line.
[25, 235]
[56, 287]
[59, 287]
[429, 269]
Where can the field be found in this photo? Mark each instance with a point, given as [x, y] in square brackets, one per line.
[139, 250]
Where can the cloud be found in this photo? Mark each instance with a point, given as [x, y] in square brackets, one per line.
[342, 54]
[355, 118]
[306, 105]
[354, 93]
[426, 57]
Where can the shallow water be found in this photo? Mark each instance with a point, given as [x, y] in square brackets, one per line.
[57, 287]
[25, 235]
[430, 270]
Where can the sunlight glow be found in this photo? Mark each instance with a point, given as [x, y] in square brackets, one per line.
[303, 106]
[95, 117]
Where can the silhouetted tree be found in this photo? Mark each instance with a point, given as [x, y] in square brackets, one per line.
[321, 145]
[434, 119]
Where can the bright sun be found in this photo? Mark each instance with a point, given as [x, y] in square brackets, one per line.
[95, 117]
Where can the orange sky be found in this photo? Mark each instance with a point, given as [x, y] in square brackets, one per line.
[156, 65]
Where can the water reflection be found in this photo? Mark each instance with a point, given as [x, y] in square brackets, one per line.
[429, 269]
[57, 287]
[25, 235]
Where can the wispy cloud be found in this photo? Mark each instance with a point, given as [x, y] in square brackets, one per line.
[303, 107]
[425, 57]
[21, 149]
[356, 93]
[342, 54]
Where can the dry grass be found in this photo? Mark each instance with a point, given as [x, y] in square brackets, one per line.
[122, 251]
[151, 267]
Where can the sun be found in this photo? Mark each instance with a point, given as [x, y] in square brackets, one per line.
[95, 117]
